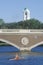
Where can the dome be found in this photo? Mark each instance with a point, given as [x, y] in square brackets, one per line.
[26, 10]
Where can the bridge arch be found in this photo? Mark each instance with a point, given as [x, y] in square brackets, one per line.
[37, 44]
[8, 42]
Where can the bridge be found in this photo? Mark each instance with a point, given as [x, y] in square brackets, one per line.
[21, 38]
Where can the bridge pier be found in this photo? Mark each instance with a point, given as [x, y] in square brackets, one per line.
[25, 49]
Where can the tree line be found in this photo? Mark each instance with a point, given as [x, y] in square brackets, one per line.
[28, 24]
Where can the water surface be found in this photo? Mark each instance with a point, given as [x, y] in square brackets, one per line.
[7, 52]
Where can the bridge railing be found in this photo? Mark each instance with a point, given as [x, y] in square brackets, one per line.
[21, 30]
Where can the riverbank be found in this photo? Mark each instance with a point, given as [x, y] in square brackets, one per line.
[4, 44]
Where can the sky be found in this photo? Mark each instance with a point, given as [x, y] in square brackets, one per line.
[12, 10]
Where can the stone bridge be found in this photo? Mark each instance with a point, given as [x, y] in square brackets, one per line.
[22, 39]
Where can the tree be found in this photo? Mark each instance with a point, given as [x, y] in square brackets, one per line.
[2, 24]
[28, 24]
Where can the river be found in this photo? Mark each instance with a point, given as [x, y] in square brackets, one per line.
[7, 52]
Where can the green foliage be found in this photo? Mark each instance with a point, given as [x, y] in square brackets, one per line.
[1, 21]
[28, 24]
[2, 24]
[4, 44]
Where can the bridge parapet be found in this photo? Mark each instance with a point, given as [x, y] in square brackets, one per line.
[20, 30]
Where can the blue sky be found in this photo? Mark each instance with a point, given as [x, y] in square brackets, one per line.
[12, 10]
